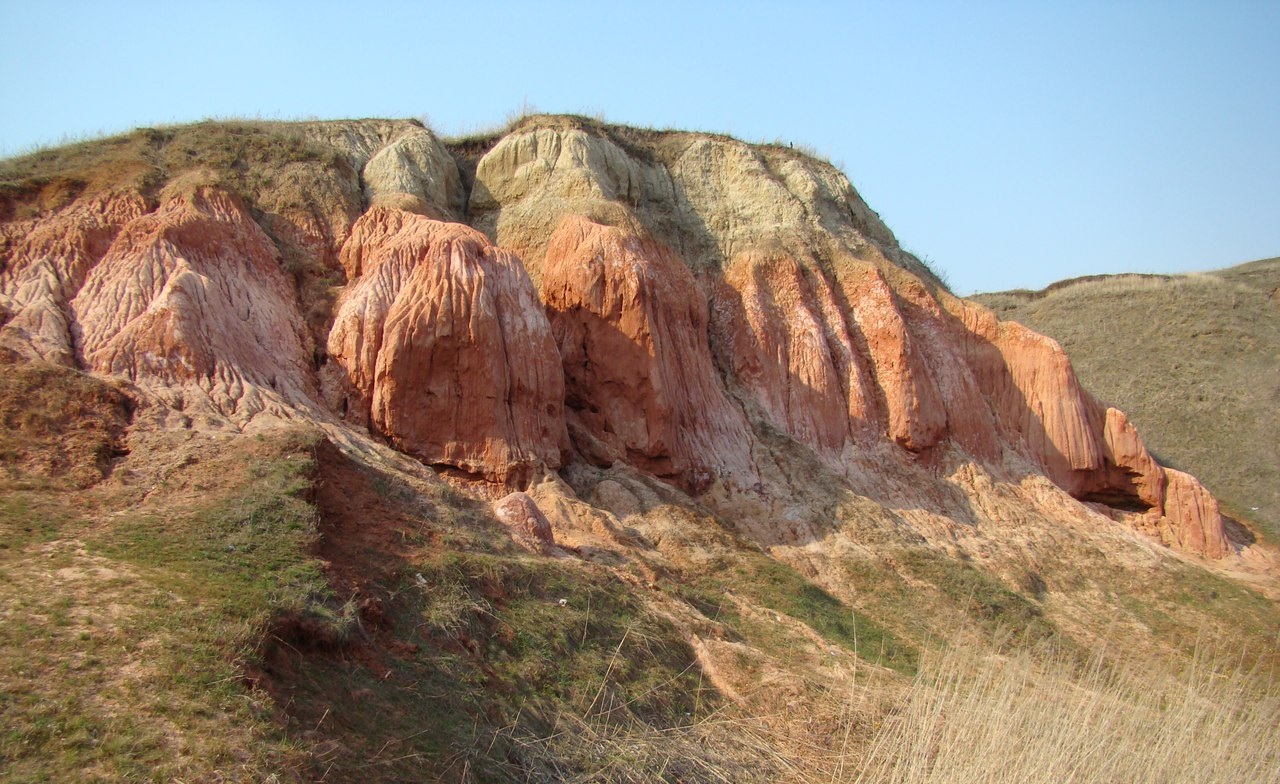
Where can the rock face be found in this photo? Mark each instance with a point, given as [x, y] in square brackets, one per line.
[446, 349]
[836, 360]
[1191, 519]
[1089, 450]
[186, 299]
[401, 164]
[192, 297]
[1194, 360]
[631, 327]
[704, 311]
[45, 264]
[834, 335]
[784, 336]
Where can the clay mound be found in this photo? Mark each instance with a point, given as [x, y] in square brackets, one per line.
[44, 264]
[825, 332]
[190, 301]
[1192, 520]
[832, 357]
[1193, 360]
[631, 326]
[1089, 450]
[445, 348]
[837, 337]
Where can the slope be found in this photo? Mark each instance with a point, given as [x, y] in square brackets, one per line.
[1193, 359]
[577, 452]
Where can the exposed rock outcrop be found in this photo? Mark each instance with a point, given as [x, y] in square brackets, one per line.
[190, 301]
[707, 308]
[45, 264]
[401, 163]
[786, 339]
[835, 334]
[445, 348]
[631, 326]
[916, 411]
[1191, 517]
[1091, 451]
[1132, 471]
[531, 180]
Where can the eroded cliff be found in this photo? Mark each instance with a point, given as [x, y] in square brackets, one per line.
[575, 297]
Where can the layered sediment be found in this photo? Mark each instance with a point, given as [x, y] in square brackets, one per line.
[674, 301]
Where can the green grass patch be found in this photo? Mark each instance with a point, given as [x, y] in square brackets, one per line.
[29, 516]
[1188, 607]
[771, 584]
[980, 596]
[247, 550]
[125, 650]
[485, 652]
[602, 642]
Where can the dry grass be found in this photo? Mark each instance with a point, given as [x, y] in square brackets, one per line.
[970, 718]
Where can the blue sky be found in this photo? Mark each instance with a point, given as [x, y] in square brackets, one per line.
[1011, 144]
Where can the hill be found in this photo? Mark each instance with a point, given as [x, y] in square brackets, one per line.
[1193, 359]
[575, 452]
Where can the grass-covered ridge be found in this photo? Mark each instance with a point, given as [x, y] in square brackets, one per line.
[245, 153]
[128, 627]
[773, 586]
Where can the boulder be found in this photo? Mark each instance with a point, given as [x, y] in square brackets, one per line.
[526, 523]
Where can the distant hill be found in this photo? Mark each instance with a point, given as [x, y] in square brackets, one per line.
[1194, 360]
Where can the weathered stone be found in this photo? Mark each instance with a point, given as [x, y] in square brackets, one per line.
[446, 349]
[192, 299]
[527, 524]
[1194, 517]
[44, 264]
[631, 326]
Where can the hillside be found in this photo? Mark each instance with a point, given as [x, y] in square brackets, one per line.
[340, 451]
[1197, 368]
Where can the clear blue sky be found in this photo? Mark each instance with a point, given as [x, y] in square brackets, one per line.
[1010, 143]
